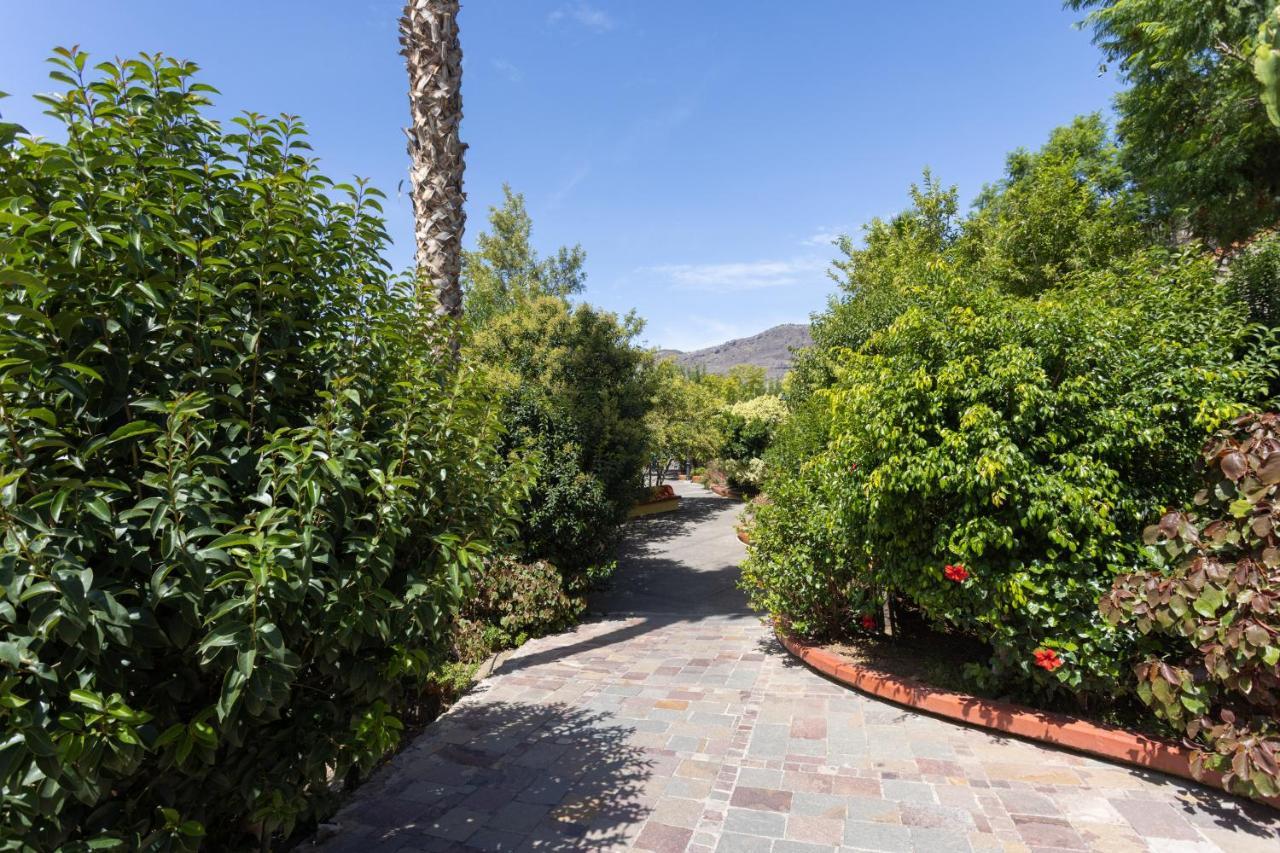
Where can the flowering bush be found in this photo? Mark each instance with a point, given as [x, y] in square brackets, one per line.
[655, 494]
[1021, 441]
[1213, 609]
[1048, 659]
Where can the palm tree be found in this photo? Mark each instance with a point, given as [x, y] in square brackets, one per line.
[433, 56]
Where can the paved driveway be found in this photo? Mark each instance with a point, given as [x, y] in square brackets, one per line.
[675, 722]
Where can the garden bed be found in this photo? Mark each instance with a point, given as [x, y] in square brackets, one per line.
[660, 499]
[928, 680]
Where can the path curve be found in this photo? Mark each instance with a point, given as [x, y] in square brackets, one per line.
[675, 722]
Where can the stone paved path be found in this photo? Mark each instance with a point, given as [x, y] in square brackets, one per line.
[677, 723]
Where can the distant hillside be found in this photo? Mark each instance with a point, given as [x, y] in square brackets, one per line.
[771, 349]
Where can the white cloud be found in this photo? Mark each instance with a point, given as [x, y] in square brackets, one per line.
[747, 275]
[508, 70]
[825, 235]
[585, 14]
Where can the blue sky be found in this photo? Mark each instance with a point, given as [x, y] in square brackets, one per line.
[703, 153]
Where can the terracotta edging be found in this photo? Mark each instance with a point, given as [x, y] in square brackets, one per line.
[726, 492]
[1110, 742]
[744, 537]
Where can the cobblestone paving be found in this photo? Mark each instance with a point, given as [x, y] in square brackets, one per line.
[684, 726]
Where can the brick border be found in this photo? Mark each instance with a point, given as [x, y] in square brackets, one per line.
[1109, 742]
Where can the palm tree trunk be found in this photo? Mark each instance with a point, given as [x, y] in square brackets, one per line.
[433, 56]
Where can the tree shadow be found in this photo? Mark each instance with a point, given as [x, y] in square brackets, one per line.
[493, 775]
[658, 584]
[695, 510]
[501, 775]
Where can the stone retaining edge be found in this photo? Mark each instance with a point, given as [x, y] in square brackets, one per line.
[1109, 742]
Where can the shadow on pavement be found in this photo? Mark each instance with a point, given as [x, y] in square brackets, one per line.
[679, 564]
[696, 508]
[501, 775]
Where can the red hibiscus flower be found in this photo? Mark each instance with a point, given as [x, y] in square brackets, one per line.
[1047, 659]
[868, 622]
[957, 573]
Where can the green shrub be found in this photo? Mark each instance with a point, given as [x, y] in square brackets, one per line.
[1255, 277]
[518, 601]
[241, 488]
[575, 391]
[1212, 610]
[683, 421]
[1025, 439]
[745, 475]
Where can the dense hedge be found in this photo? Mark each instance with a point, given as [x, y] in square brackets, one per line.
[994, 407]
[1023, 439]
[575, 389]
[241, 487]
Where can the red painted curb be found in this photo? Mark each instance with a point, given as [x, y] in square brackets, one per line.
[1110, 742]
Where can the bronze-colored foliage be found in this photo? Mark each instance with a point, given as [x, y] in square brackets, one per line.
[1220, 683]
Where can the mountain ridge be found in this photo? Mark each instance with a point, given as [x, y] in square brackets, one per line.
[770, 349]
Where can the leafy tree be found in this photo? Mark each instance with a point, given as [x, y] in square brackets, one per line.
[1066, 207]
[684, 421]
[1266, 64]
[240, 494]
[1194, 126]
[878, 281]
[575, 390]
[505, 270]
[749, 426]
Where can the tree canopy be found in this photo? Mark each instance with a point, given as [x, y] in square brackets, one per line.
[1192, 118]
[505, 269]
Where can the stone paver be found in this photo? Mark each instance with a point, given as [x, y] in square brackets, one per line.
[675, 722]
